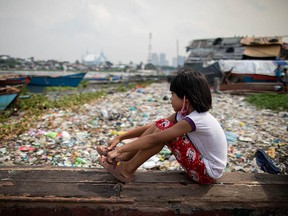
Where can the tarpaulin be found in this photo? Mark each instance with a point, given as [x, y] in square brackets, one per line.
[262, 51]
[256, 41]
[248, 67]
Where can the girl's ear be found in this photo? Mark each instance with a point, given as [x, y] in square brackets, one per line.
[186, 100]
[184, 109]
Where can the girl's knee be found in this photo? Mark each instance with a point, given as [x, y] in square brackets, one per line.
[156, 130]
[163, 124]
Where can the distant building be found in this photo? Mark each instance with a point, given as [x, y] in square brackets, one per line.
[178, 62]
[159, 61]
[162, 58]
[93, 60]
[4, 57]
[155, 60]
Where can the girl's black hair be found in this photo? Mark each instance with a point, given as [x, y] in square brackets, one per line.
[194, 86]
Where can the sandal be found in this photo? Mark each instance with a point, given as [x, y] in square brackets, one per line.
[265, 163]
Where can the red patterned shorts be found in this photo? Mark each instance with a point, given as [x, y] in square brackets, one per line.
[187, 155]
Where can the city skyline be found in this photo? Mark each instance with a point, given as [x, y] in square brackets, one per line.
[160, 59]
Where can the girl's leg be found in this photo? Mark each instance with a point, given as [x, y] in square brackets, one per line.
[150, 130]
[187, 155]
[103, 150]
[128, 168]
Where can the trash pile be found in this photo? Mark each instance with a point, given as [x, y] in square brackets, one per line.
[69, 138]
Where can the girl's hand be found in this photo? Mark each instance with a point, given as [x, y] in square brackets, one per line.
[113, 143]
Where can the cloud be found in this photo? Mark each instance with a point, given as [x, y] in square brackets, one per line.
[67, 29]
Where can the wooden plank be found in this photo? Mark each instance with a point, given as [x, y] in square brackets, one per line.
[217, 196]
[62, 175]
[227, 178]
[94, 175]
[255, 87]
[169, 192]
[58, 189]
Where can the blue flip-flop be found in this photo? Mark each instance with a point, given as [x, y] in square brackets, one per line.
[265, 163]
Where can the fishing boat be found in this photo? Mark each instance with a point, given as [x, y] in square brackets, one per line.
[14, 81]
[7, 96]
[38, 83]
[72, 80]
[10, 89]
[104, 79]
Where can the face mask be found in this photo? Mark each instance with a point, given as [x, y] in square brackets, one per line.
[185, 107]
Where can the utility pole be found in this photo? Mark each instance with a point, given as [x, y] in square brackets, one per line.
[177, 52]
[150, 49]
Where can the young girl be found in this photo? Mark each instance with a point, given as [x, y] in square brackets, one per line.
[192, 134]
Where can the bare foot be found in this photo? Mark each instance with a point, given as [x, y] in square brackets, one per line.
[115, 169]
[102, 150]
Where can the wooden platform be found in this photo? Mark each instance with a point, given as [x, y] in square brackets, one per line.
[78, 191]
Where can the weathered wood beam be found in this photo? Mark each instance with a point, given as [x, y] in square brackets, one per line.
[28, 189]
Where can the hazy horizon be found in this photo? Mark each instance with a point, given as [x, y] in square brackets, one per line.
[66, 30]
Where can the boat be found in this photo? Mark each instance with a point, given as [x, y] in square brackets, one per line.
[250, 61]
[7, 96]
[72, 80]
[13, 81]
[104, 79]
[10, 89]
[38, 83]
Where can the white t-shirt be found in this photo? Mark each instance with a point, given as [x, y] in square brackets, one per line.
[209, 138]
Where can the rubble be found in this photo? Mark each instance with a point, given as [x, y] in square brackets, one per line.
[69, 138]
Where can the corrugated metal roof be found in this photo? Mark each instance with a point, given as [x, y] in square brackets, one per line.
[215, 49]
[227, 48]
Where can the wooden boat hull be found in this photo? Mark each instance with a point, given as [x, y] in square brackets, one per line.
[248, 78]
[10, 89]
[72, 80]
[249, 82]
[14, 81]
[110, 79]
[6, 100]
[251, 87]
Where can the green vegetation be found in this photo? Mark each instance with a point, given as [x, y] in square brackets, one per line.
[58, 88]
[273, 101]
[38, 103]
[83, 84]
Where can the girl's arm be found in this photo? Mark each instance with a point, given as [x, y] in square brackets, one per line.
[153, 139]
[137, 132]
[128, 135]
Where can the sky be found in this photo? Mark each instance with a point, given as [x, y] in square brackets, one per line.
[66, 30]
